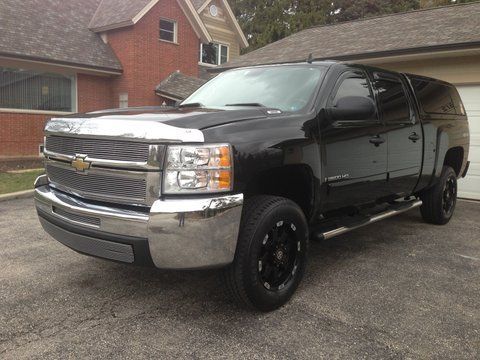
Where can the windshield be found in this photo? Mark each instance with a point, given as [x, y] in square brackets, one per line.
[288, 88]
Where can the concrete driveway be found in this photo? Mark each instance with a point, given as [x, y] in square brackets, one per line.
[396, 289]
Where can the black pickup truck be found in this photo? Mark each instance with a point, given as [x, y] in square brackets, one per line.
[250, 167]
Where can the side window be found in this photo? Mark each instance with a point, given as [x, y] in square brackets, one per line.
[168, 30]
[393, 100]
[355, 84]
[437, 98]
[213, 54]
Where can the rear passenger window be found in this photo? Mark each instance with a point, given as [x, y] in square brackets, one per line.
[437, 98]
[393, 100]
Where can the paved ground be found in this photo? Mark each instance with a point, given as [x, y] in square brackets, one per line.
[397, 289]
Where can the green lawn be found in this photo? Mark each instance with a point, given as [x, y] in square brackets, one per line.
[10, 182]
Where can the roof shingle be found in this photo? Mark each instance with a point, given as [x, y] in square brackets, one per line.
[54, 31]
[179, 86]
[117, 13]
[111, 12]
[424, 29]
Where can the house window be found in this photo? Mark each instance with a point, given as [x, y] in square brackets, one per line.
[123, 100]
[168, 30]
[35, 90]
[213, 54]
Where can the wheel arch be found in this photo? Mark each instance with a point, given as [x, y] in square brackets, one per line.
[295, 182]
[454, 159]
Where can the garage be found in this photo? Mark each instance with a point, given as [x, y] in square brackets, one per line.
[470, 186]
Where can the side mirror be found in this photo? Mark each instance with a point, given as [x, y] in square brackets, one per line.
[352, 108]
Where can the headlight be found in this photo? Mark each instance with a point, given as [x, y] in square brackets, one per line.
[198, 168]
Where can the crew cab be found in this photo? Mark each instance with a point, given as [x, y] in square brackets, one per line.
[249, 168]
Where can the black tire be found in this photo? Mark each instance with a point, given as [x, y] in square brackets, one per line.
[271, 253]
[439, 201]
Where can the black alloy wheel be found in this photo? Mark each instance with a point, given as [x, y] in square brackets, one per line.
[271, 253]
[449, 195]
[439, 201]
[278, 260]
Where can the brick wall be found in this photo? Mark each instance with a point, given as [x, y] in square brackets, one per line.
[21, 133]
[94, 92]
[146, 60]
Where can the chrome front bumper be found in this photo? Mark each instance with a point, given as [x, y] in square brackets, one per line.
[172, 234]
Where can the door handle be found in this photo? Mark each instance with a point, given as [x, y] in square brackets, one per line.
[414, 137]
[376, 140]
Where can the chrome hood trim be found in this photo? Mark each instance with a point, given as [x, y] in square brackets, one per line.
[143, 127]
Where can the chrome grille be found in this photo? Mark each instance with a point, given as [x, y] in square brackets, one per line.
[98, 148]
[77, 218]
[133, 189]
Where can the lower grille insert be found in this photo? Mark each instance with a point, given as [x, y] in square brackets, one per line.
[77, 218]
[89, 245]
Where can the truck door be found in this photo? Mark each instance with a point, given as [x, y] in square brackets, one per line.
[354, 152]
[404, 132]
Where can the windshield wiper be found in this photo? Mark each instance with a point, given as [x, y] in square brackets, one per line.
[246, 104]
[194, 104]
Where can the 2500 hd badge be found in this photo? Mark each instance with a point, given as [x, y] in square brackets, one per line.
[254, 164]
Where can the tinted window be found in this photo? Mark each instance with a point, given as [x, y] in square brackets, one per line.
[393, 100]
[437, 98]
[354, 85]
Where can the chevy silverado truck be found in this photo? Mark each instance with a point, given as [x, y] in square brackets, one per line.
[250, 167]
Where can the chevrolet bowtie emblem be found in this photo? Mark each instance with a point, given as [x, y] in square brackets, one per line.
[80, 164]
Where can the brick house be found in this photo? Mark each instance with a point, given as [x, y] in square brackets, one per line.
[65, 56]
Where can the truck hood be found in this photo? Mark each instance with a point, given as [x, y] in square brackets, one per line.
[152, 124]
[193, 118]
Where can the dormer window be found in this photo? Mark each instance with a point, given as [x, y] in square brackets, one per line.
[168, 30]
[213, 54]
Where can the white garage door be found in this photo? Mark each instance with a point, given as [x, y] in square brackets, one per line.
[470, 186]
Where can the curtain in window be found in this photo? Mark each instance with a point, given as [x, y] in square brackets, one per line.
[31, 90]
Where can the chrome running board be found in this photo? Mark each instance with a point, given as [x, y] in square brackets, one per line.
[393, 210]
